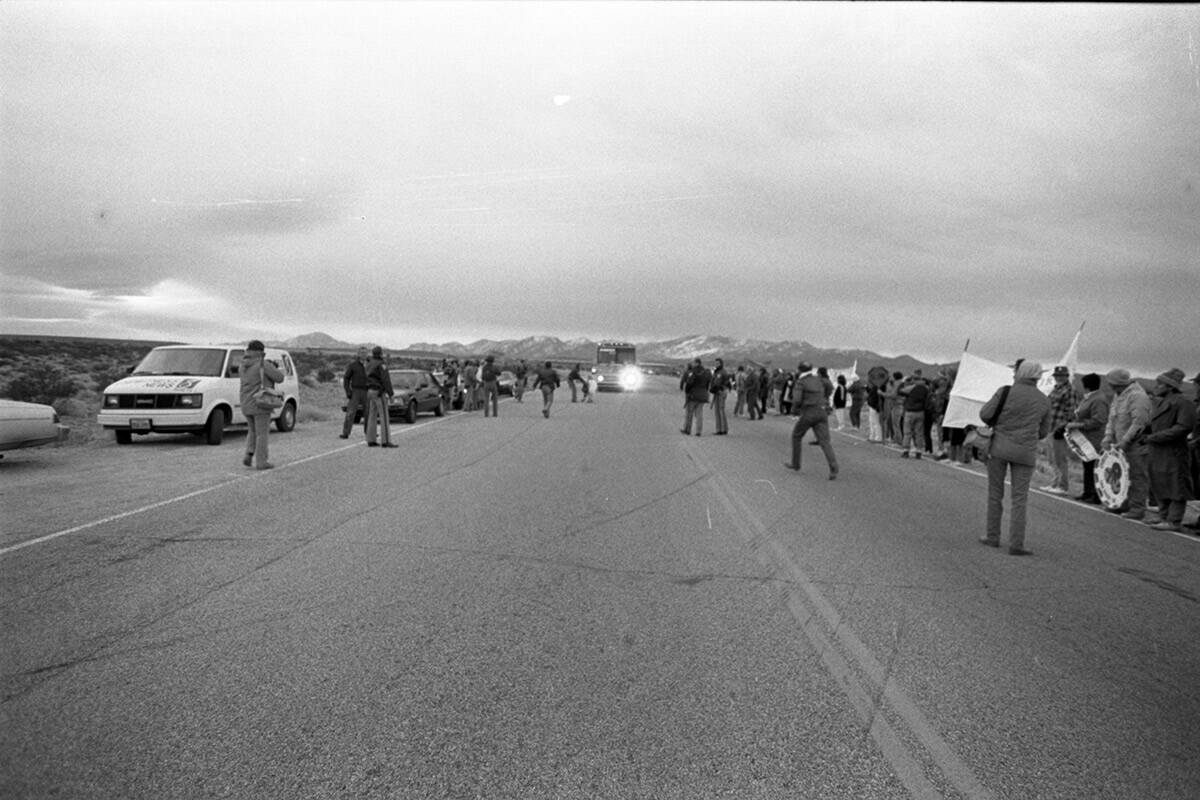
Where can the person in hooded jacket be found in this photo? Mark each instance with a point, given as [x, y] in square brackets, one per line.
[1172, 419]
[257, 373]
[1023, 421]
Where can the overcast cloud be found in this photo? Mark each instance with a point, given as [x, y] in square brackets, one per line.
[887, 176]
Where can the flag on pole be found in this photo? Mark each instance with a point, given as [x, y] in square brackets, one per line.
[1070, 360]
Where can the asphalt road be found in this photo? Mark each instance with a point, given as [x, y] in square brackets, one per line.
[585, 606]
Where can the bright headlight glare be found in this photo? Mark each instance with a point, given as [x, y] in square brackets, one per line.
[112, 401]
[191, 400]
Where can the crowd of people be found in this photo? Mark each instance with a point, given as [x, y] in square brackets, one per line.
[1156, 432]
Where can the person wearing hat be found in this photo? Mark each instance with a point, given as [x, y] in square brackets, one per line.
[1171, 421]
[257, 373]
[1020, 417]
[1090, 417]
[1063, 401]
[379, 391]
[811, 405]
[1128, 420]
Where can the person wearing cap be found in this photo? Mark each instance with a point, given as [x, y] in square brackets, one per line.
[1128, 420]
[379, 390]
[811, 406]
[1091, 415]
[257, 373]
[1172, 419]
[1023, 421]
[1063, 401]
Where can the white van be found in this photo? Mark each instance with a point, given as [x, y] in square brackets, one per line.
[193, 389]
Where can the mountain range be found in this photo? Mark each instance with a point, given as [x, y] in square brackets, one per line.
[671, 351]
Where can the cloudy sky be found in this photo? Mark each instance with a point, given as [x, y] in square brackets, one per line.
[887, 176]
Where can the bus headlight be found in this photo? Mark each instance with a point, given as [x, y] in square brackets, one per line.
[631, 379]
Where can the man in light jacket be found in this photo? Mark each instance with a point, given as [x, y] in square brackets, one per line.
[257, 373]
[1023, 421]
[1128, 423]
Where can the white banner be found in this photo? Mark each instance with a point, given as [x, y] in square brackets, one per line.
[976, 382]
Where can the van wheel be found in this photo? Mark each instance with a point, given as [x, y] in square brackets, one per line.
[410, 413]
[286, 420]
[123, 437]
[441, 407]
[214, 429]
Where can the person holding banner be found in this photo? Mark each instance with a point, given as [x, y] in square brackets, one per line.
[1063, 401]
[1091, 416]
[1020, 417]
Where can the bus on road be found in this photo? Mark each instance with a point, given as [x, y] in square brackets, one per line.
[616, 367]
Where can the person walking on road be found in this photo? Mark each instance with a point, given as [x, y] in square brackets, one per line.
[547, 381]
[1020, 417]
[354, 383]
[694, 384]
[574, 377]
[522, 373]
[256, 374]
[811, 406]
[379, 393]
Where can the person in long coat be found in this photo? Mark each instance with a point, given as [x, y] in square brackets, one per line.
[1171, 420]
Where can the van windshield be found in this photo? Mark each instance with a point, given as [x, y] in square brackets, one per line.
[197, 361]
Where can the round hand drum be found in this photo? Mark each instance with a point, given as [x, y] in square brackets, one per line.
[1112, 478]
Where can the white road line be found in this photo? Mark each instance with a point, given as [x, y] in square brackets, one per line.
[180, 498]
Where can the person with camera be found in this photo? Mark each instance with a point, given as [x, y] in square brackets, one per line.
[257, 374]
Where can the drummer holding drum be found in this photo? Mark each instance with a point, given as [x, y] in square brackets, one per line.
[1091, 417]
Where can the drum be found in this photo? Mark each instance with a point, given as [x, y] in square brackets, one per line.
[1078, 444]
[1112, 478]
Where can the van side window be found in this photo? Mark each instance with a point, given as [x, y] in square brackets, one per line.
[287, 365]
[235, 364]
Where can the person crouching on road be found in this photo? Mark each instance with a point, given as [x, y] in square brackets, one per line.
[812, 408]
[1023, 421]
[547, 381]
[379, 391]
[257, 373]
[694, 384]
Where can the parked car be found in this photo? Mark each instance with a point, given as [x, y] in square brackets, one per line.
[416, 391]
[191, 389]
[29, 425]
[507, 381]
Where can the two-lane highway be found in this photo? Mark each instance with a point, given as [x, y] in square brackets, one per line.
[590, 606]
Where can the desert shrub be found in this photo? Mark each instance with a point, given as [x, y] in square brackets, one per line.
[308, 381]
[41, 382]
[325, 375]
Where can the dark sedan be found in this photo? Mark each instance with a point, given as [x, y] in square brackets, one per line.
[416, 392]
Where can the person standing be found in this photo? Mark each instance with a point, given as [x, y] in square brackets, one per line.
[1171, 422]
[739, 386]
[593, 385]
[764, 391]
[491, 387]
[694, 384]
[379, 393]
[1128, 422]
[1063, 402]
[751, 383]
[840, 396]
[858, 396]
[574, 377]
[913, 396]
[354, 383]
[257, 373]
[1020, 417]
[522, 373]
[1194, 447]
[812, 409]
[719, 387]
[470, 379]
[547, 381]
[1091, 415]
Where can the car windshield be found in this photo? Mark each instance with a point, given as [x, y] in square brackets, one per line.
[198, 361]
[405, 380]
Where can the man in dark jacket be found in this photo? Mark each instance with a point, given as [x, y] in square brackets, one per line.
[914, 394]
[1172, 419]
[379, 392]
[354, 383]
[694, 383]
[719, 386]
[811, 405]
[1091, 416]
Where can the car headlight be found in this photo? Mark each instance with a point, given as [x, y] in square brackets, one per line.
[189, 401]
[112, 401]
